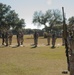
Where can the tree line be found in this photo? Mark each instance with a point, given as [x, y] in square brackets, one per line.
[51, 20]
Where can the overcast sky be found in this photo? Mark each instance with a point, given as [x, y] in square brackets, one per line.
[26, 8]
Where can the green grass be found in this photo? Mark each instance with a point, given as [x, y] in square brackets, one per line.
[32, 61]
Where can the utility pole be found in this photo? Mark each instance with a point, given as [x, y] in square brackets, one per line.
[65, 36]
[69, 45]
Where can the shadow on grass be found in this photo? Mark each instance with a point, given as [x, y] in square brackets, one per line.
[53, 47]
[29, 38]
[18, 46]
[15, 46]
[33, 47]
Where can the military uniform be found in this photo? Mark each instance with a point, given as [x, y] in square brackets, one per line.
[10, 34]
[48, 38]
[3, 38]
[53, 39]
[6, 38]
[20, 38]
[36, 38]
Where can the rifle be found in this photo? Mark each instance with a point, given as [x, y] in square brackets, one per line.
[65, 35]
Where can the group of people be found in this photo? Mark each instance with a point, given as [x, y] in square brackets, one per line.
[49, 35]
[53, 36]
[7, 38]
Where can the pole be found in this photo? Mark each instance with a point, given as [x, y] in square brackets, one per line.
[65, 35]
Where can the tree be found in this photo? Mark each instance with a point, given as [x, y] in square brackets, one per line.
[49, 19]
[9, 18]
[20, 25]
[4, 9]
[71, 21]
[12, 19]
[37, 18]
[41, 19]
[56, 18]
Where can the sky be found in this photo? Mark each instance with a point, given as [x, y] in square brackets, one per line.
[26, 8]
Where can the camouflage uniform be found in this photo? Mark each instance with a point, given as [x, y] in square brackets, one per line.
[53, 39]
[36, 38]
[10, 34]
[6, 38]
[20, 38]
[48, 38]
[3, 38]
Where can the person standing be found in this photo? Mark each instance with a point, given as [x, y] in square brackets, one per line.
[53, 40]
[6, 38]
[10, 35]
[36, 38]
[48, 38]
[18, 38]
[22, 37]
[3, 38]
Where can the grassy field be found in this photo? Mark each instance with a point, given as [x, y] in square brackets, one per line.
[42, 60]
